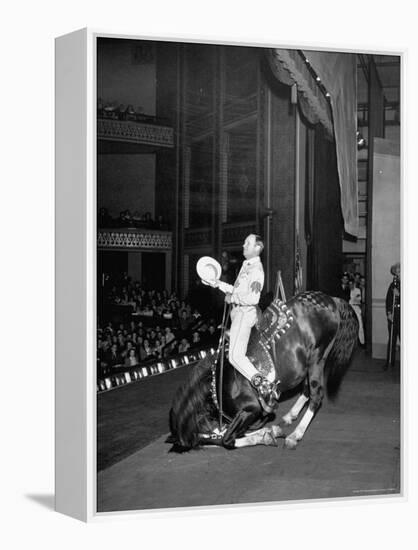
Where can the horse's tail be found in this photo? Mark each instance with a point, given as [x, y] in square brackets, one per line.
[191, 407]
[341, 353]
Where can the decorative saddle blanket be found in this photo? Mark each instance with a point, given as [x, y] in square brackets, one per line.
[273, 325]
[275, 322]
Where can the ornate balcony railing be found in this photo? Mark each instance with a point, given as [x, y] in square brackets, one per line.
[135, 132]
[134, 239]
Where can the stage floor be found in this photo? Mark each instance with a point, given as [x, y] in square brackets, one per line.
[351, 449]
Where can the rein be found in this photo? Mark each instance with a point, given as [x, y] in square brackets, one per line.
[220, 350]
[270, 332]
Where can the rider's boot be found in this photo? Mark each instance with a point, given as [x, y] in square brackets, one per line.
[267, 392]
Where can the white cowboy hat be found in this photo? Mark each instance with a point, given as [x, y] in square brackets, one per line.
[208, 269]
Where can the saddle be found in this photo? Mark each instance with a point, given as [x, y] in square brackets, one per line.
[270, 327]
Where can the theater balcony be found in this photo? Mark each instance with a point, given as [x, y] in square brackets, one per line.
[134, 239]
[133, 136]
[146, 254]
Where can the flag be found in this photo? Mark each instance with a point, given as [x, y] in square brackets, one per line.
[298, 269]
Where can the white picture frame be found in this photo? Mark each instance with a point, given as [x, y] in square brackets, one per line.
[75, 401]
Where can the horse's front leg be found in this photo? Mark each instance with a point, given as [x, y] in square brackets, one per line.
[239, 425]
[289, 417]
[316, 394]
[263, 436]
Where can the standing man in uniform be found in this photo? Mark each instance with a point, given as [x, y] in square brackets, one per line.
[393, 314]
[244, 296]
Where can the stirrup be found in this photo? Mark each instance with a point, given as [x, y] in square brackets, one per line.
[266, 392]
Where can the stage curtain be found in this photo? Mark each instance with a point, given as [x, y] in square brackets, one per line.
[338, 73]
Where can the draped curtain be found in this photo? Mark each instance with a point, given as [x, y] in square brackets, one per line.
[338, 73]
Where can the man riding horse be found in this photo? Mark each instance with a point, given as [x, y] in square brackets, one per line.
[244, 296]
[306, 343]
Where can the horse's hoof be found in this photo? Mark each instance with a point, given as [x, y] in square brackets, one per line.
[276, 431]
[290, 443]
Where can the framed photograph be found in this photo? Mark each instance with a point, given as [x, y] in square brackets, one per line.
[228, 265]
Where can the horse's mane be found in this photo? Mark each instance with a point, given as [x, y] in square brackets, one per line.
[192, 408]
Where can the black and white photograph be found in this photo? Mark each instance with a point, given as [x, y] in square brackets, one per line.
[208, 263]
[248, 274]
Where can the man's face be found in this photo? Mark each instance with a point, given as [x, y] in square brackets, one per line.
[250, 248]
[344, 280]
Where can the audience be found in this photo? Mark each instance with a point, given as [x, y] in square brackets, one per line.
[127, 219]
[353, 290]
[184, 345]
[355, 302]
[344, 292]
[162, 325]
[114, 110]
[131, 359]
[169, 336]
[196, 338]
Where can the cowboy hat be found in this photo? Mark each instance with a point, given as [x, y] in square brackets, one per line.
[208, 269]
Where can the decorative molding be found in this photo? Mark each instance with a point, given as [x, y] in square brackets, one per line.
[134, 239]
[135, 132]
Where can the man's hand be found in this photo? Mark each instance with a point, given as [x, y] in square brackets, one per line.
[228, 298]
[390, 318]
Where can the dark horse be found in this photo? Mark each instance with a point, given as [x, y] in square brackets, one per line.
[297, 343]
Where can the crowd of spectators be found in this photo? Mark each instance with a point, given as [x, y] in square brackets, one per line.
[133, 220]
[353, 290]
[161, 325]
[349, 283]
[115, 110]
